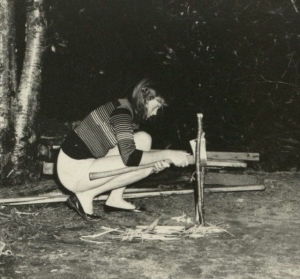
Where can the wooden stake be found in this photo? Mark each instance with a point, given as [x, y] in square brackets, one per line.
[200, 158]
[139, 193]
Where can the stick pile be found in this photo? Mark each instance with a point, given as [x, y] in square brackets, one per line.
[155, 232]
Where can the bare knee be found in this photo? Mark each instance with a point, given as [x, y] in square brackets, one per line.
[143, 141]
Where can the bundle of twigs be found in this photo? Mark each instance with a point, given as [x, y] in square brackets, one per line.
[158, 233]
[202, 231]
[155, 232]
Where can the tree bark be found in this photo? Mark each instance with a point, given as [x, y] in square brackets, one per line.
[28, 91]
[13, 79]
[4, 81]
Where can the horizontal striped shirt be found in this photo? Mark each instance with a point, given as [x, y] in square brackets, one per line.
[108, 126]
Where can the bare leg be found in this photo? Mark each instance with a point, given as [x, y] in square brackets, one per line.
[116, 199]
[86, 198]
[143, 142]
[86, 190]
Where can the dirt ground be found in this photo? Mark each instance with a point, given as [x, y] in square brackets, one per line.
[263, 241]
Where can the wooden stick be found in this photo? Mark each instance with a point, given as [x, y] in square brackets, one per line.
[237, 188]
[242, 156]
[199, 172]
[55, 195]
[228, 164]
[140, 193]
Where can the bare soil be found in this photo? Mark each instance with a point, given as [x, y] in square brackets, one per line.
[264, 243]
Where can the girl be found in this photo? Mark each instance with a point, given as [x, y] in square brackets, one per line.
[105, 140]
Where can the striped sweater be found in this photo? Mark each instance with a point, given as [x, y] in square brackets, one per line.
[104, 128]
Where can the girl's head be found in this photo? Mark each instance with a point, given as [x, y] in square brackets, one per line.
[146, 100]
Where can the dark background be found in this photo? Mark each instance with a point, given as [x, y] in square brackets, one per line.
[237, 62]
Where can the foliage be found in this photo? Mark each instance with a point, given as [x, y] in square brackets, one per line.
[235, 61]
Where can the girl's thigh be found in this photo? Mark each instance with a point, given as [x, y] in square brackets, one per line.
[100, 165]
[70, 171]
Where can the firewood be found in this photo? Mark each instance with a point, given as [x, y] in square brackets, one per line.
[239, 156]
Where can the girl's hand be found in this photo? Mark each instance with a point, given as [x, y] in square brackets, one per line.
[159, 166]
[179, 158]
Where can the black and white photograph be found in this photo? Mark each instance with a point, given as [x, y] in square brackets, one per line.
[149, 139]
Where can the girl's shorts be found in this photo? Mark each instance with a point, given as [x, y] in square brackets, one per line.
[70, 171]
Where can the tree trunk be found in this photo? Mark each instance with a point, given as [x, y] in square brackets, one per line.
[13, 79]
[27, 95]
[4, 82]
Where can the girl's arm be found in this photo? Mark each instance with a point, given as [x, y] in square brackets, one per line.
[177, 157]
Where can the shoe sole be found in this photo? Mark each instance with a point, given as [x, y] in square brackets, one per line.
[86, 218]
[74, 207]
[111, 209]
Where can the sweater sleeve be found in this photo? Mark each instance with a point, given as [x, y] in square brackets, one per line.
[121, 121]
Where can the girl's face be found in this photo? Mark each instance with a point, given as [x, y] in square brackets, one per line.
[152, 107]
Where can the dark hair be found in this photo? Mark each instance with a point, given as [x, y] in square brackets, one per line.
[144, 92]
